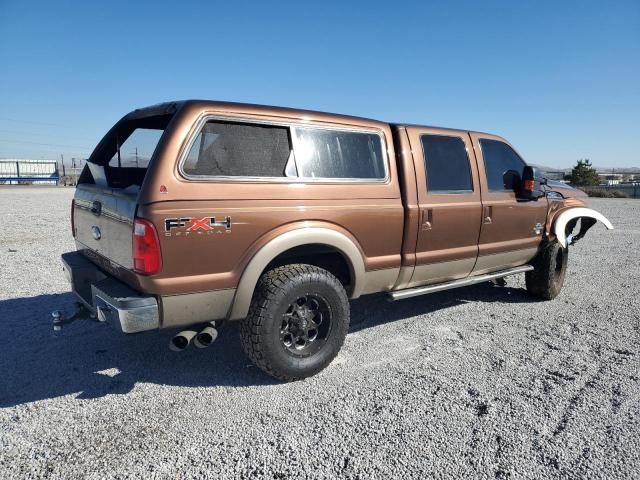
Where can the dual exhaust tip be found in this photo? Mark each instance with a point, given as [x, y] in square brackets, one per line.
[201, 339]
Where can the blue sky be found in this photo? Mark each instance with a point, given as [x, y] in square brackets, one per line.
[560, 80]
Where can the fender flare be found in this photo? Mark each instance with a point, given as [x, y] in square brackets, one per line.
[565, 217]
[286, 241]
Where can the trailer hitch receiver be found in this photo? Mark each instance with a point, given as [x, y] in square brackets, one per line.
[81, 313]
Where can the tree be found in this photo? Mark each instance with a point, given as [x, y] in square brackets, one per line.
[583, 174]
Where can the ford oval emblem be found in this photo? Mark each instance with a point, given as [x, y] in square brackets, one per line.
[95, 231]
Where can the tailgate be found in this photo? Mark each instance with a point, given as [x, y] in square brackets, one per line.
[103, 222]
[107, 192]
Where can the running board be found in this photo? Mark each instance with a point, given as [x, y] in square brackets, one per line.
[465, 282]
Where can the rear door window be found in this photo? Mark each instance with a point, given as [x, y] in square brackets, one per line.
[122, 157]
[498, 159]
[336, 154]
[224, 149]
[447, 164]
[137, 149]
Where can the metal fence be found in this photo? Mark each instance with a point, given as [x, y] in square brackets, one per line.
[16, 172]
[631, 190]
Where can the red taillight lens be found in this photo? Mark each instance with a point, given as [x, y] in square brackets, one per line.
[73, 217]
[147, 259]
[529, 185]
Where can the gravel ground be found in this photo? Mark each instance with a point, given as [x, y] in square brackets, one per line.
[480, 382]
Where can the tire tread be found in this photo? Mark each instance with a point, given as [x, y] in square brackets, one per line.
[271, 285]
[542, 282]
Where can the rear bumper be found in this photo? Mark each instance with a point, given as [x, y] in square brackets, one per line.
[108, 298]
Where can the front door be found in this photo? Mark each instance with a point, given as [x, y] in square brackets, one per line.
[511, 229]
[450, 205]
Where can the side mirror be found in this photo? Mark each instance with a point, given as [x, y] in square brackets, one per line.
[531, 181]
[511, 180]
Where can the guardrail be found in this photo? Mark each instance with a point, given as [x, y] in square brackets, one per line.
[17, 172]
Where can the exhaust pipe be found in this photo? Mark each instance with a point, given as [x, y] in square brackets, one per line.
[181, 340]
[206, 337]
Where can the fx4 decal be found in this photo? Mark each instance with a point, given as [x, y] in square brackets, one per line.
[185, 226]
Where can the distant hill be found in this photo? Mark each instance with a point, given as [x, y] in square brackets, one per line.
[623, 170]
[545, 168]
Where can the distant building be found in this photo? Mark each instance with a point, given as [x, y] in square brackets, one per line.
[610, 178]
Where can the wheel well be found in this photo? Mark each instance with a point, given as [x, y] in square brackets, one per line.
[322, 256]
[567, 220]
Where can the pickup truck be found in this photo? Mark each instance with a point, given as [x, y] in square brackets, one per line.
[277, 217]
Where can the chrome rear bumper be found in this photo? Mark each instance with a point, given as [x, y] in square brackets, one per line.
[108, 298]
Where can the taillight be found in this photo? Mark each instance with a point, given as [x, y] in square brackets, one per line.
[147, 259]
[73, 217]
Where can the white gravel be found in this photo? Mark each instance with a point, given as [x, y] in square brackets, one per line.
[481, 382]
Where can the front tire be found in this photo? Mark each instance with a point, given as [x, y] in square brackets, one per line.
[550, 267]
[297, 322]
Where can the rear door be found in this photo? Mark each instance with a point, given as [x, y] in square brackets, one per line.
[511, 229]
[449, 202]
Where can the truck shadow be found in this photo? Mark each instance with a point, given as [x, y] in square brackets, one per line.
[367, 312]
[91, 360]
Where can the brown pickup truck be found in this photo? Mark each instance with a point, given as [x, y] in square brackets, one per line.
[193, 213]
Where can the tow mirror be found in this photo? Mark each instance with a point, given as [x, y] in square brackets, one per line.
[511, 180]
[531, 181]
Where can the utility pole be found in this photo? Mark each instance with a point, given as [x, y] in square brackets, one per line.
[64, 174]
[136, 156]
[118, 147]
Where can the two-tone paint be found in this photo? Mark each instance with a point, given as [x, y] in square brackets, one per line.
[392, 234]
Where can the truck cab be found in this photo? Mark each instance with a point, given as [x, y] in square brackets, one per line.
[467, 220]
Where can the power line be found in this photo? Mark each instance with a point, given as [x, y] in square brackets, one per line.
[47, 144]
[31, 121]
[28, 134]
[22, 132]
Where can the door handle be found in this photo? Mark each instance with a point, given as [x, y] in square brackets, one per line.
[487, 215]
[427, 218]
[96, 208]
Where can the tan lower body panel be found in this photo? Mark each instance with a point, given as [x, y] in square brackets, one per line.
[441, 272]
[191, 308]
[188, 309]
[500, 261]
[380, 280]
[404, 278]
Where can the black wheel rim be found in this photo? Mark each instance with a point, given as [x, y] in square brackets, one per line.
[306, 324]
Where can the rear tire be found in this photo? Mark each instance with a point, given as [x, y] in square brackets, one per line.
[550, 267]
[297, 322]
